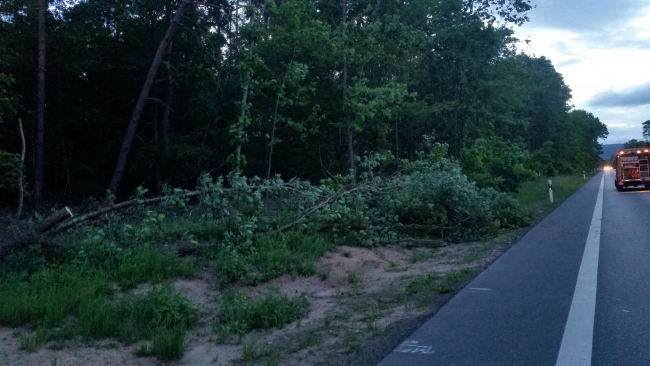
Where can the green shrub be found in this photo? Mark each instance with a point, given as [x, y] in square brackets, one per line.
[437, 199]
[496, 163]
[160, 307]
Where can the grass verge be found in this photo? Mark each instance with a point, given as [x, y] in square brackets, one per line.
[534, 195]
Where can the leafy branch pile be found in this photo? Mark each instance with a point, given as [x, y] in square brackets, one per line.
[427, 199]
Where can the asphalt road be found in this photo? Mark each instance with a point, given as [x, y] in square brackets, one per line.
[575, 290]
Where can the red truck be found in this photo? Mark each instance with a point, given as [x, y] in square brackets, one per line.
[632, 168]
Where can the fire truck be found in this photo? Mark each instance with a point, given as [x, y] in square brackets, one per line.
[632, 168]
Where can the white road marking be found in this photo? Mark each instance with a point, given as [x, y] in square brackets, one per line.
[414, 347]
[480, 288]
[579, 330]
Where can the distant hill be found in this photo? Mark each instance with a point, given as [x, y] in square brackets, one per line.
[610, 149]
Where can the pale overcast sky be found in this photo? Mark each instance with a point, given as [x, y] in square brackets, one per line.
[602, 48]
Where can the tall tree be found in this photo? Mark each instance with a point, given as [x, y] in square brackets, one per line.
[39, 148]
[144, 94]
[344, 81]
[646, 129]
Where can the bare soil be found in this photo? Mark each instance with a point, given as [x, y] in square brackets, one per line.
[359, 312]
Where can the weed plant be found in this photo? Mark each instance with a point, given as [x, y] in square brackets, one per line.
[433, 282]
[241, 314]
[354, 277]
[252, 352]
[167, 344]
[31, 342]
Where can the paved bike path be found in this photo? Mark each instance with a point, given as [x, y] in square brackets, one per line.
[515, 311]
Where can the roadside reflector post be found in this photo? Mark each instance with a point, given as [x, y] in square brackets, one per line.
[550, 190]
[584, 176]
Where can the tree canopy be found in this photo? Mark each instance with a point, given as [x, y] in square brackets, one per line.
[285, 87]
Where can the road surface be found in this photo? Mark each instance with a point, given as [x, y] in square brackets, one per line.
[573, 291]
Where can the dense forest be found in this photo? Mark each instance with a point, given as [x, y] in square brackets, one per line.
[114, 94]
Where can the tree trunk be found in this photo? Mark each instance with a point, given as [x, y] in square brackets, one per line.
[348, 123]
[144, 94]
[397, 142]
[164, 124]
[240, 128]
[21, 193]
[25, 240]
[275, 113]
[39, 164]
[275, 120]
[156, 139]
[242, 116]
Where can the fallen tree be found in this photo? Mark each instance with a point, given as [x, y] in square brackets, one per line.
[34, 236]
[432, 201]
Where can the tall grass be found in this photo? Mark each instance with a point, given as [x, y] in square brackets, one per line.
[147, 265]
[169, 344]
[69, 301]
[241, 314]
[534, 195]
[293, 253]
[47, 297]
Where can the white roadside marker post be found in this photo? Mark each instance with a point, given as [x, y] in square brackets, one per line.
[550, 190]
[583, 175]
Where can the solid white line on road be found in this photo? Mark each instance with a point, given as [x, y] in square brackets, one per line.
[579, 331]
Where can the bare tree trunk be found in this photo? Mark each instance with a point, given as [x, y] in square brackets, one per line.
[240, 128]
[156, 139]
[161, 128]
[21, 193]
[164, 124]
[397, 142]
[348, 123]
[68, 181]
[39, 165]
[275, 113]
[242, 116]
[144, 94]
[275, 121]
